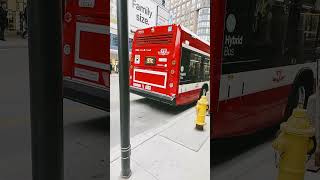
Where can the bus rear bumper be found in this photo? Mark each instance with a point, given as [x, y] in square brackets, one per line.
[86, 94]
[154, 96]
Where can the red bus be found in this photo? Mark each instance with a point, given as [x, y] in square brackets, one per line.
[86, 52]
[264, 51]
[169, 64]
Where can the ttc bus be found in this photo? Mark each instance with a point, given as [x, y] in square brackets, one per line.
[169, 64]
[86, 52]
[263, 53]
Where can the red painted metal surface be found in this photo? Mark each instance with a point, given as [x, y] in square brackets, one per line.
[86, 42]
[253, 110]
[217, 31]
[247, 114]
[163, 44]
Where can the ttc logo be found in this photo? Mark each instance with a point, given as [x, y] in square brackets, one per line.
[163, 52]
[279, 76]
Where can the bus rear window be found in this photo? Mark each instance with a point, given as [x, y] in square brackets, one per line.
[194, 67]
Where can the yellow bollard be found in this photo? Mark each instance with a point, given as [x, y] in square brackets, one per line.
[294, 143]
[202, 107]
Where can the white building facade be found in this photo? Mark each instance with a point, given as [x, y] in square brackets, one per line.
[141, 14]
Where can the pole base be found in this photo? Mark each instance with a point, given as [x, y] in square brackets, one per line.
[199, 127]
[126, 174]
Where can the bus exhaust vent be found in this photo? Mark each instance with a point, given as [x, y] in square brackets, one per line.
[158, 39]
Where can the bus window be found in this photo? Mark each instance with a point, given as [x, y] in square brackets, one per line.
[184, 67]
[190, 71]
[206, 69]
[255, 35]
[311, 22]
[194, 67]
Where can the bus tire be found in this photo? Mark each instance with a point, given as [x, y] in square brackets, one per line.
[305, 82]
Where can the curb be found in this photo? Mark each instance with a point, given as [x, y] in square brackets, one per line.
[139, 139]
[13, 41]
[6, 45]
[13, 46]
[114, 75]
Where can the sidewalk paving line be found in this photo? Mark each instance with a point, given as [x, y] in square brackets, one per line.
[258, 162]
[185, 134]
[139, 139]
[239, 166]
[168, 161]
[138, 173]
[176, 164]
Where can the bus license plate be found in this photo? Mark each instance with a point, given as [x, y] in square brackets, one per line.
[86, 3]
[150, 61]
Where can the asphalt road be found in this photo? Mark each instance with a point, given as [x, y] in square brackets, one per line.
[225, 151]
[145, 114]
[86, 135]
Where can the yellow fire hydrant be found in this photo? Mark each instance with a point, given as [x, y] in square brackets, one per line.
[293, 144]
[202, 107]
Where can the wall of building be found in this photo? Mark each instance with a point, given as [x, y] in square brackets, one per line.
[190, 14]
[159, 16]
[14, 8]
[203, 25]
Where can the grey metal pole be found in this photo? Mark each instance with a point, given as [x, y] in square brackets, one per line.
[123, 51]
[45, 71]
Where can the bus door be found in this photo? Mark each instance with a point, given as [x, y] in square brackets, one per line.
[86, 48]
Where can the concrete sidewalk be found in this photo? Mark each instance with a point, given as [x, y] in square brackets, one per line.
[13, 41]
[258, 163]
[172, 152]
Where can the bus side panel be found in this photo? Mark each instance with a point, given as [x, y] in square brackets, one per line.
[192, 95]
[186, 98]
[236, 118]
[217, 32]
[261, 62]
[194, 42]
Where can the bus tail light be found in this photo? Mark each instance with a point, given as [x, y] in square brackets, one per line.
[171, 85]
[174, 62]
[172, 72]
